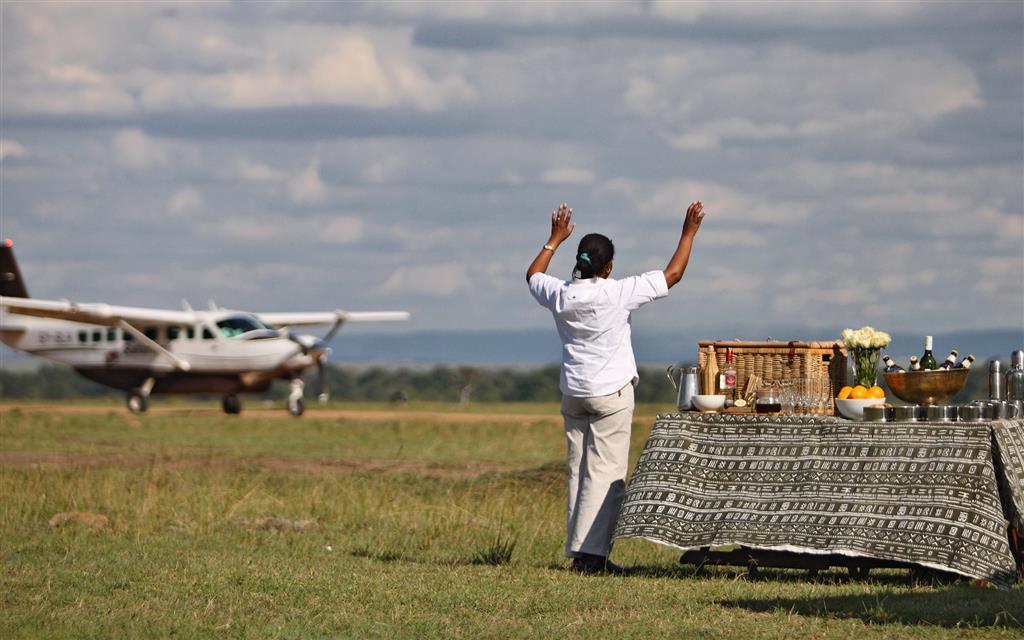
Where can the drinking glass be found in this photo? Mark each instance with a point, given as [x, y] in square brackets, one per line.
[786, 396]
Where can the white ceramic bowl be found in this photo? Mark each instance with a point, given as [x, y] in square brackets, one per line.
[709, 402]
[854, 409]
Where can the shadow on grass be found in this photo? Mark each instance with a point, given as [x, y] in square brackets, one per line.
[953, 607]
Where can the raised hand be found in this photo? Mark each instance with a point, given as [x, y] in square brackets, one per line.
[561, 224]
[694, 216]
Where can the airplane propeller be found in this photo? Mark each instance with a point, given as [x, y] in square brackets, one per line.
[318, 349]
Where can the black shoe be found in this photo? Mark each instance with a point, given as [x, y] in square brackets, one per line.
[592, 564]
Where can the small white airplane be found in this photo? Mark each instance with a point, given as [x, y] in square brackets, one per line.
[146, 351]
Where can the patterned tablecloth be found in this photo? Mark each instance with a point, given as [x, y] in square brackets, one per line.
[938, 495]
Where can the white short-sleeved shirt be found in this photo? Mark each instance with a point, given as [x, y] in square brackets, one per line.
[592, 318]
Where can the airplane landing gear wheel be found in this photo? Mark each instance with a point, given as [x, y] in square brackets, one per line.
[295, 405]
[231, 405]
[137, 402]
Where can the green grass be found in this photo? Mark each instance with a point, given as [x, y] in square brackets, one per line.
[463, 539]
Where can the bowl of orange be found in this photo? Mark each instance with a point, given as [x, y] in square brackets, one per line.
[851, 401]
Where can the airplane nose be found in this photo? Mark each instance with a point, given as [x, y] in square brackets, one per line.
[313, 346]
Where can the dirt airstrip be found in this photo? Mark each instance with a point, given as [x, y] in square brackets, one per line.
[366, 415]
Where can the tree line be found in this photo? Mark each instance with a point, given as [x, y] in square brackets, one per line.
[385, 384]
[376, 384]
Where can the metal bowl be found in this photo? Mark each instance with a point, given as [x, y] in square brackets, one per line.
[926, 387]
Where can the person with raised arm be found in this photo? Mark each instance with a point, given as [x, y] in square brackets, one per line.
[592, 316]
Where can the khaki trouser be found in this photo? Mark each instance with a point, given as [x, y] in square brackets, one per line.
[597, 431]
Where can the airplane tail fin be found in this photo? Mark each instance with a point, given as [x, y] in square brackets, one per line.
[11, 284]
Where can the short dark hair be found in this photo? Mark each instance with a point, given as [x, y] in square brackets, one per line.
[593, 255]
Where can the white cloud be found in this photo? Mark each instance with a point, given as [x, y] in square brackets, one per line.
[11, 149]
[568, 175]
[343, 230]
[736, 238]
[702, 99]
[384, 169]
[258, 172]
[670, 199]
[306, 187]
[443, 280]
[271, 229]
[779, 13]
[185, 201]
[136, 150]
[349, 69]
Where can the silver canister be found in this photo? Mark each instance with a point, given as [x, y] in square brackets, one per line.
[904, 414]
[970, 413]
[874, 414]
[1004, 410]
[996, 381]
[941, 413]
[1015, 377]
[989, 410]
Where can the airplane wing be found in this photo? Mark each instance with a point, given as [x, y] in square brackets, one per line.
[95, 313]
[310, 318]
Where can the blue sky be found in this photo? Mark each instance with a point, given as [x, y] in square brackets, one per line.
[861, 162]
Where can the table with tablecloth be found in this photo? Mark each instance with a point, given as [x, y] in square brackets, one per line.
[939, 495]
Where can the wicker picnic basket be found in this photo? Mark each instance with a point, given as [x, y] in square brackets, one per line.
[781, 361]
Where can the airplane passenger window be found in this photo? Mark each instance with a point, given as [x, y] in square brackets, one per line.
[207, 334]
[111, 334]
[127, 337]
[97, 335]
[173, 333]
[151, 333]
[83, 336]
[190, 333]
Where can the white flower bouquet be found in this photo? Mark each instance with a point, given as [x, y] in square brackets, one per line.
[865, 338]
[865, 345]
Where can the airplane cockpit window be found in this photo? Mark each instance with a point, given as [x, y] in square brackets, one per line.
[244, 325]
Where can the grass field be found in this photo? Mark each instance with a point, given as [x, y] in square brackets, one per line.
[371, 521]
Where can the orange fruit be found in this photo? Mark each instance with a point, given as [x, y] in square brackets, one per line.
[859, 392]
[876, 392]
[844, 393]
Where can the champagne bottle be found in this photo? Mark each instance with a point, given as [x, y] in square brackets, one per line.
[928, 360]
[966, 362]
[890, 366]
[914, 364]
[950, 361]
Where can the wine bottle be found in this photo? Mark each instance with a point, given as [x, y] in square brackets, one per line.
[914, 364]
[966, 362]
[950, 361]
[729, 373]
[890, 366]
[928, 360]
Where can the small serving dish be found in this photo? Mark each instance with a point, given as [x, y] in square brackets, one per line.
[709, 401]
